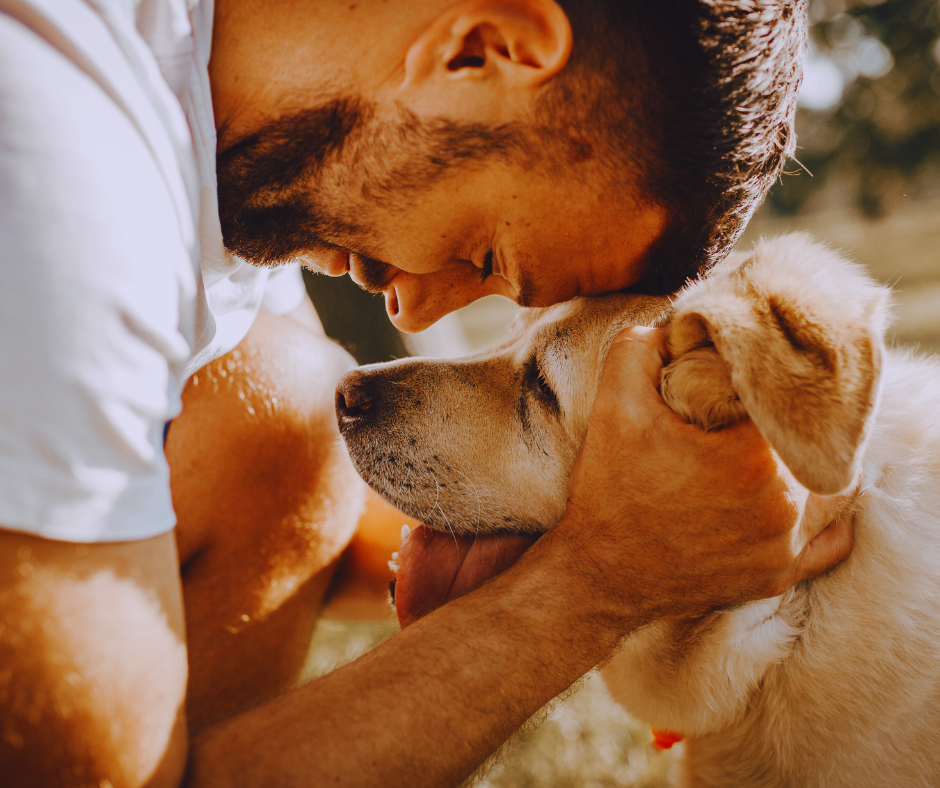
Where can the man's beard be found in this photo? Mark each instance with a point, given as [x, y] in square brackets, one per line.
[267, 182]
[318, 175]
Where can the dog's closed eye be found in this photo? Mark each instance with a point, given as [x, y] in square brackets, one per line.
[538, 384]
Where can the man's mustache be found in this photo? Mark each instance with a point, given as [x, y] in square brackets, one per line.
[264, 209]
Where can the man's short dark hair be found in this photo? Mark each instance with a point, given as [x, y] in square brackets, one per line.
[688, 103]
[697, 98]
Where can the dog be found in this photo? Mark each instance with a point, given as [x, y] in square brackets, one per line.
[837, 681]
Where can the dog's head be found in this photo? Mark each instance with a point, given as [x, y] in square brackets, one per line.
[791, 335]
[487, 443]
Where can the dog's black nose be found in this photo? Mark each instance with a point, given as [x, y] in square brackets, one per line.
[355, 398]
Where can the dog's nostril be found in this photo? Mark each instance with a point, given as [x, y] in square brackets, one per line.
[351, 407]
[353, 398]
[347, 408]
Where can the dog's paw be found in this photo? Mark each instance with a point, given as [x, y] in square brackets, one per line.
[697, 387]
[796, 332]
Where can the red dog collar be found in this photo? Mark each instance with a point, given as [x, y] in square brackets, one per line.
[663, 740]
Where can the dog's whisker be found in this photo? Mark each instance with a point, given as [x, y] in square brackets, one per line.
[437, 497]
[476, 493]
[437, 506]
[450, 528]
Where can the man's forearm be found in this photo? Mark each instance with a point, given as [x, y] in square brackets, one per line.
[697, 520]
[428, 706]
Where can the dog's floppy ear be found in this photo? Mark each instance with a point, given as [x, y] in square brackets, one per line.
[799, 330]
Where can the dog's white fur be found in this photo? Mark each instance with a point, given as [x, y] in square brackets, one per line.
[837, 681]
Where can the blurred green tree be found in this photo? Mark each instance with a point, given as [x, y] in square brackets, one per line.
[869, 115]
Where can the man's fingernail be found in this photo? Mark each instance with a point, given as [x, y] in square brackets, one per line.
[405, 530]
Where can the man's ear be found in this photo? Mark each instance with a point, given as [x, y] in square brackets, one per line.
[501, 46]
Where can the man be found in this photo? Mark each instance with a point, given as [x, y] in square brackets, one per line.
[437, 152]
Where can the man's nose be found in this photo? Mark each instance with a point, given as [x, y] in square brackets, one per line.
[332, 262]
[416, 301]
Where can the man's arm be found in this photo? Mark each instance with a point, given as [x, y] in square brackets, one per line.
[663, 520]
[92, 663]
[428, 706]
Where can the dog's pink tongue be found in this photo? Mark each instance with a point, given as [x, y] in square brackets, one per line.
[434, 567]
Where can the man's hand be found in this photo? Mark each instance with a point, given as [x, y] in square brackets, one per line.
[687, 521]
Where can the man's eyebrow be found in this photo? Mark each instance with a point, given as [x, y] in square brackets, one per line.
[373, 275]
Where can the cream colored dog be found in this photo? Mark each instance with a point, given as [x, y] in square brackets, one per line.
[837, 681]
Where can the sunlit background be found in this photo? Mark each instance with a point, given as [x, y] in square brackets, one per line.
[867, 180]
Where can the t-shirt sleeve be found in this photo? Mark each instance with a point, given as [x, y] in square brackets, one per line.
[98, 284]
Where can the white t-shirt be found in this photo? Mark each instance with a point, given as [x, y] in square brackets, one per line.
[115, 285]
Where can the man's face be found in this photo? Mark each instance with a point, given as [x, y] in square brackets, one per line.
[389, 140]
[345, 188]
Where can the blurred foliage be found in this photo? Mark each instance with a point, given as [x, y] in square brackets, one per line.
[869, 120]
[354, 318]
